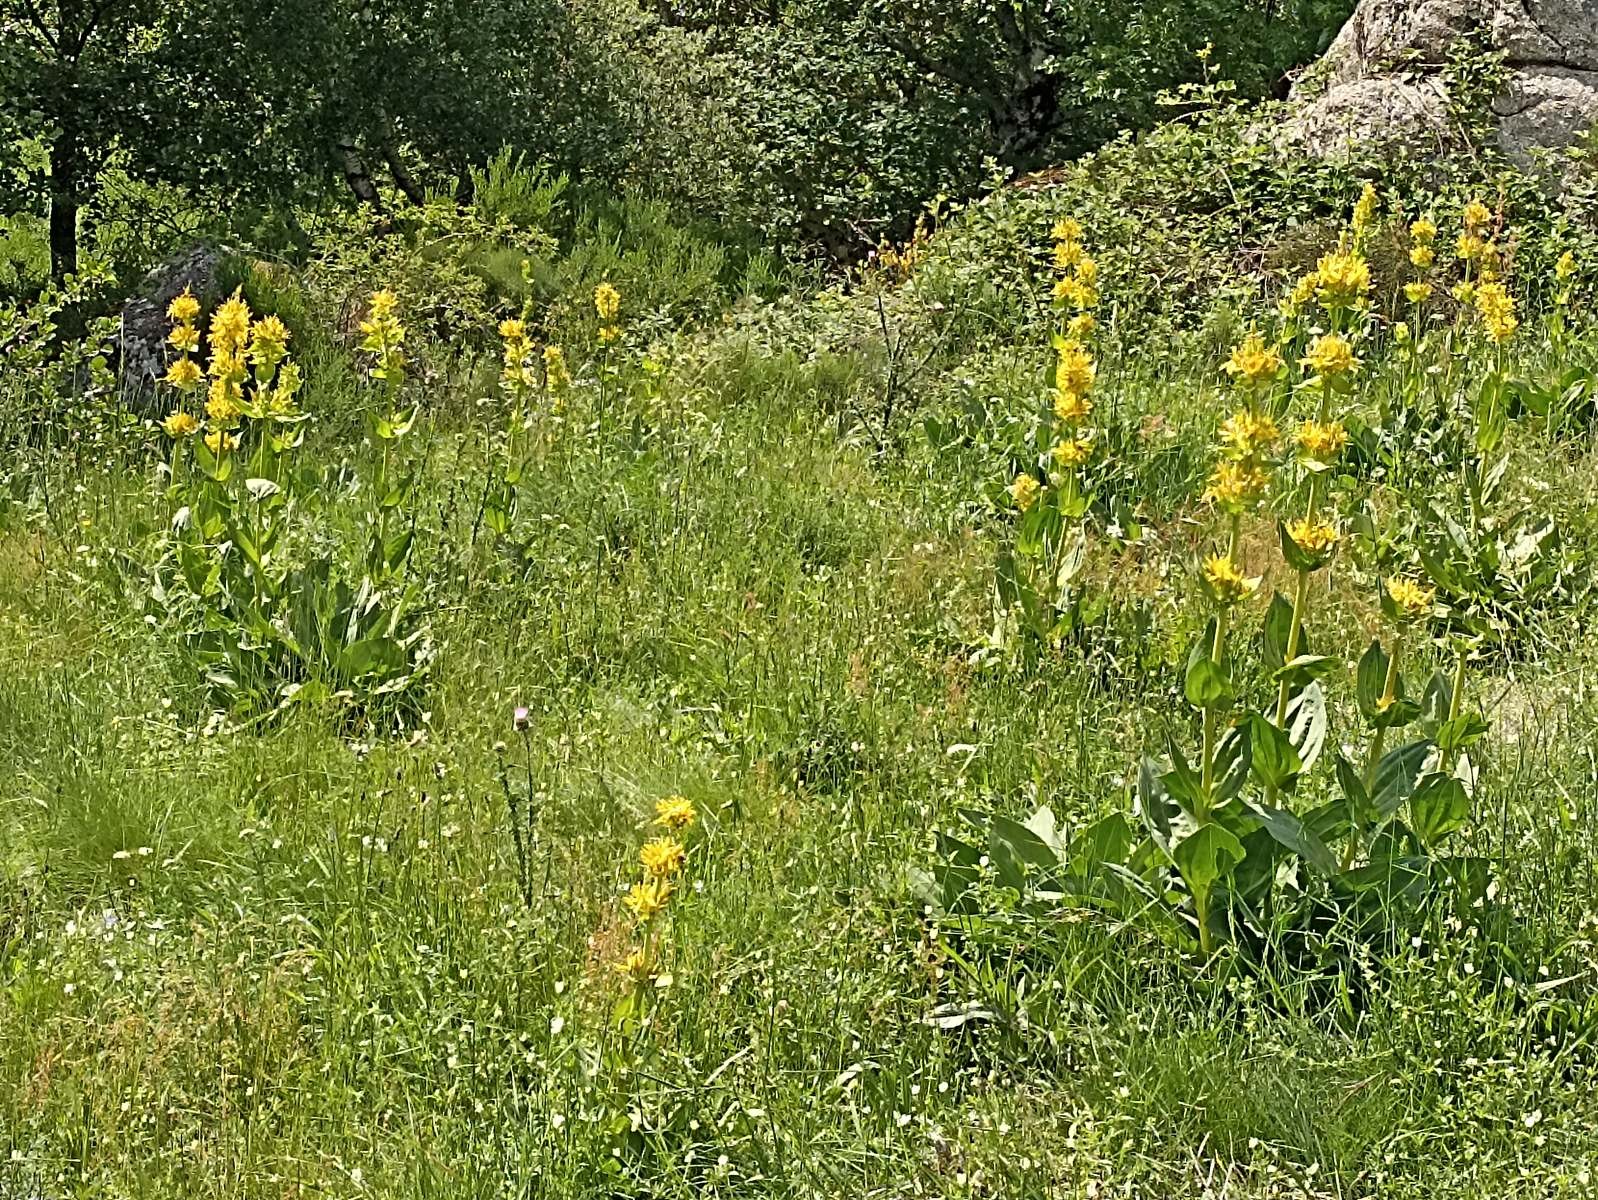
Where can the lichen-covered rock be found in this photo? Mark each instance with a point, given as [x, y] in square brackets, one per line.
[142, 352]
[1382, 82]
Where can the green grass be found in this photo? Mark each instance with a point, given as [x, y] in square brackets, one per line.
[291, 959]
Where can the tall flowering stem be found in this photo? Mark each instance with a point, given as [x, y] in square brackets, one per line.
[1075, 296]
[383, 338]
[663, 859]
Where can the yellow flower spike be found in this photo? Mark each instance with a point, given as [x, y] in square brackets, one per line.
[1067, 229]
[662, 857]
[1365, 208]
[224, 404]
[648, 899]
[1236, 486]
[1343, 280]
[1469, 247]
[1423, 231]
[1072, 452]
[230, 325]
[219, 442]
[1410, 599]
[1025, 491]
[1226, 582]
[1476, 216]
[1566, 266]
[1067, 255]
[1245, 434]
[179, 425]
[1417, 293]
[184, 374]
[1253, 362]
[1321, 442]
[513, 330]
[607, 303]
[1074, 372]
[1330, 356]
[555, 372]
[1081, 326]
[184, 308]
[674, 812]
[185, 338]
[383, 305]
[636, 966]
[1071, 408]
[269, 340]
[1315, 538]
[1422, 256]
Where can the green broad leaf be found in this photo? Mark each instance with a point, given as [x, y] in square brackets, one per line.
[1278, 625]
[1354, 793]
[1038, 529]
[1233, 754]
[393, 426]
[957, 870]
[1208, 854]
[1439, 570]
[1043, 824]
[1206, 684]
[1072, 555]
[1307, 723]
[1437, 808]
[1330, 821]
[397, 549]
[1492, 413]
[1293, 834]
[1370, 680]
[247, 547]
[1276, 763]
[1181, 784]
[1371, 685]
[1436, 702]
[1304, 668]
[1151, 799]
[1107, 840]
[1391, 880]
[1470, 876]
[219, 469]
[1397, 714]
[1396, 774]
[1016, 852]
[1456, 733]
[1252, 877]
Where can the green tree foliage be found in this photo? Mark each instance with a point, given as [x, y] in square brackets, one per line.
[264, 102]
[818, 121]
[862, 111]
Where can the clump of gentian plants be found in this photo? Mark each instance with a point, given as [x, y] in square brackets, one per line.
[266, 622]
[1264, 831]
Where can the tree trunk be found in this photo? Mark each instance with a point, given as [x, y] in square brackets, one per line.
[356, 174]
[65, 169]
[402, 178]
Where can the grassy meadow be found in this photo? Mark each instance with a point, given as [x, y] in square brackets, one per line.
[330, 753]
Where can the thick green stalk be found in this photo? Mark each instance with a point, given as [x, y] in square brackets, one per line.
[1295, 631]
[1378, 742]
[1456, 701]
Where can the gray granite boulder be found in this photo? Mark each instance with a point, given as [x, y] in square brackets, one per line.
[1382, 83]
[141, 351]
